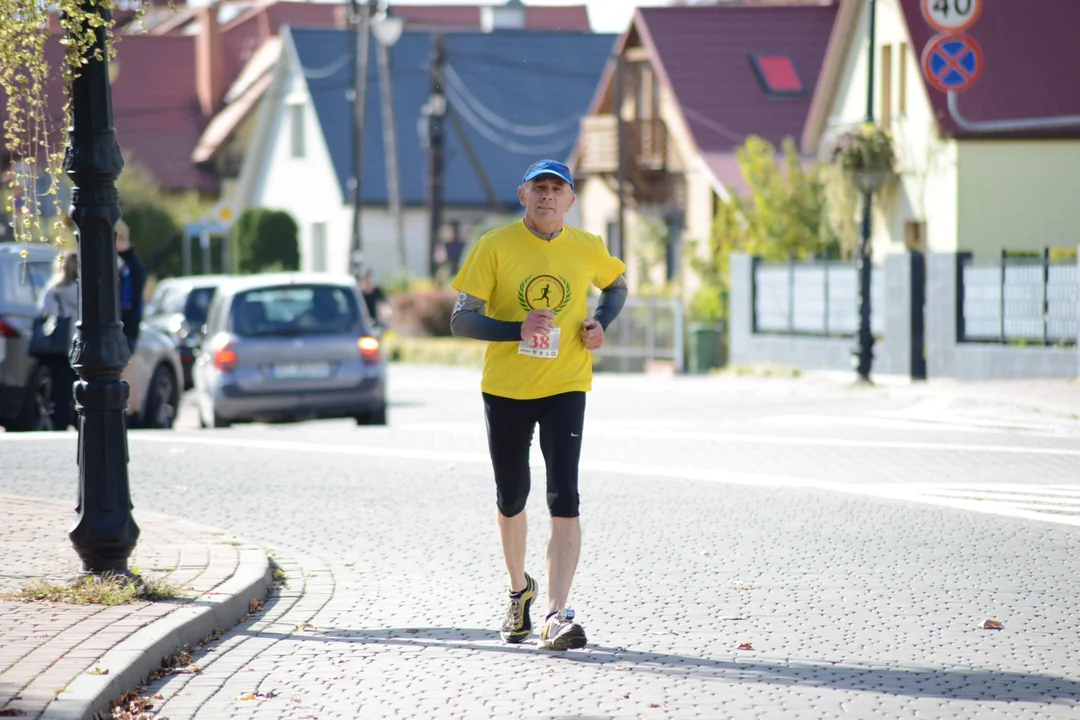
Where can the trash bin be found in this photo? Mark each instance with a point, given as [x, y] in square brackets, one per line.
[705, 348]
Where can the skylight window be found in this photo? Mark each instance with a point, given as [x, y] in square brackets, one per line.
[778, 75]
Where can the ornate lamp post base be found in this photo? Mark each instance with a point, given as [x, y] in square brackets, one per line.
[105, 533]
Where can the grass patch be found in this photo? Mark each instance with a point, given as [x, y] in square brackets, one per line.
[762, 370]
[462, 352]
[105, 589]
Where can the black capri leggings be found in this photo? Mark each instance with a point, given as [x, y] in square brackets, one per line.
[510, 425]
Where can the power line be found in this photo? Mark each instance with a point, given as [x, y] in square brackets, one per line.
[492, 136]
[498, 121]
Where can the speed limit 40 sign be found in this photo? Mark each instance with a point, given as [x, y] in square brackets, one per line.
[951, 15]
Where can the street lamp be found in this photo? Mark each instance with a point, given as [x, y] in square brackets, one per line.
[104, 534]
[864, 348]
[388, 29]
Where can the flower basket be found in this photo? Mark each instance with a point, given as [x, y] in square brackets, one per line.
[866, 156]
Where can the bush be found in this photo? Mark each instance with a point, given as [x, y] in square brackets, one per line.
[423, 312]
[155, 232]
[266, 239]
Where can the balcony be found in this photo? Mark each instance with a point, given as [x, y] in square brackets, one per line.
[646, 145]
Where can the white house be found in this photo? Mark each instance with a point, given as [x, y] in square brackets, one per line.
[504, 113]
[995, 168]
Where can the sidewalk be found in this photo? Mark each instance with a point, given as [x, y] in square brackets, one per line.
[70, 661]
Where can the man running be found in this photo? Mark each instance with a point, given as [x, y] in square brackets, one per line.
[537, 369]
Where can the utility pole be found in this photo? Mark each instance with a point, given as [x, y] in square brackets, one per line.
[360, 15]
[436, 113]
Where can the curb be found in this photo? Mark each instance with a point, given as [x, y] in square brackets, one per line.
[132, 660]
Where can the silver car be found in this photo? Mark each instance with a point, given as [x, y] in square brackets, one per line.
[153, 375]
[289, 346]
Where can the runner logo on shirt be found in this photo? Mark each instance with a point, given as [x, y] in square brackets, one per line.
[544, 292]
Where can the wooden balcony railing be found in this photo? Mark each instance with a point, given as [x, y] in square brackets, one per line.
[646, 144]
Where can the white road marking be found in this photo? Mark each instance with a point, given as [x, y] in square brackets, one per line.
[1050, 503]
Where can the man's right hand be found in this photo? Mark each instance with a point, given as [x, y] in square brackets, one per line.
[537, 322]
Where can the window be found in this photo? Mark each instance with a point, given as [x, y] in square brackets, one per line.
[674, 223]
[318, 246]
[901, 61]
[296, 129]
[778, 75]
[915, 235]
[614, 244]
[295, 310]
[886, 86]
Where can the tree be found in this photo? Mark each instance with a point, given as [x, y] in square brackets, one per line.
[155, 231]
[33, 129]
[266, 240]
[783, 214]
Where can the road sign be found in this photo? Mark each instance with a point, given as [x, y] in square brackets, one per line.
[951, 62]
[951, 15]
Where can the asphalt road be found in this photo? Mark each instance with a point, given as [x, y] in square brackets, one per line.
[752, 548]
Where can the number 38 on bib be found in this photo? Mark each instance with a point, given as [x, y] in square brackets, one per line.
[541, 346]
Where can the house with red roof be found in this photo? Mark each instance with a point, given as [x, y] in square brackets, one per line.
[992, 167]
[691, 84]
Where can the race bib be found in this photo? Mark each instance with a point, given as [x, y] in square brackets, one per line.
[542, 346]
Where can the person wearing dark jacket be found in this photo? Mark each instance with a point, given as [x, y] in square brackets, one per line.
[132, 284]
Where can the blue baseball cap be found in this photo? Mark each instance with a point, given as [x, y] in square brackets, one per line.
[549, 167]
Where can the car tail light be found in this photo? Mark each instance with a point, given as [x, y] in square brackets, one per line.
[224, 357]
[6, 330]
[369, 349]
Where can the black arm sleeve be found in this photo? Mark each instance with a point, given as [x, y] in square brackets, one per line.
[468, 320]
[611, 302]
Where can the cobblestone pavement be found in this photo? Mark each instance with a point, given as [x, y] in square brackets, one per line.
[58, 654]
[752, 549]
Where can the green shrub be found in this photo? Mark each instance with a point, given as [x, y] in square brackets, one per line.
[266, 239]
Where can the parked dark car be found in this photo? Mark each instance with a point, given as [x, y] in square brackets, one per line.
[289, 346]
[178, 308]
[25, 385]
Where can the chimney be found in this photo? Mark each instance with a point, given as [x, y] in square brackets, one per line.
[209, 61]
[511, 16]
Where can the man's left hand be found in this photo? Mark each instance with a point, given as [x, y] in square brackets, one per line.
[592, 334]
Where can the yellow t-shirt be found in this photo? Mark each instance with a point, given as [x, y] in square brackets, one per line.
[513, 271]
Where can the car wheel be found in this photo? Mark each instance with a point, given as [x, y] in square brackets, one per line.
[372, 417]
[36, 413]
[162, 399]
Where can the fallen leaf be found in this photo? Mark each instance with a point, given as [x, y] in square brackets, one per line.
[413, 631]
[11, 712]
[243, 618]
[991, 625]
[655, 705]
[746, 646]
[304, 626]
[247, 696]
[98, 671]
[620, 648]
[254, 605]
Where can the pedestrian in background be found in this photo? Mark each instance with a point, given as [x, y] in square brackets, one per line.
[61, 299]
[132, 284]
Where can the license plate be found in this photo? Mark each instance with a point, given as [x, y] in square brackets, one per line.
[301, 371]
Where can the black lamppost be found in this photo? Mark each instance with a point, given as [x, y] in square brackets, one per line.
[105, 532]
[864, 348]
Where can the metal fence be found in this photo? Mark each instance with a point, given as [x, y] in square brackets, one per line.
[648, 329]
[814, 297]
[1019, 300]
